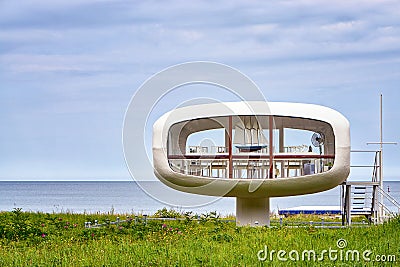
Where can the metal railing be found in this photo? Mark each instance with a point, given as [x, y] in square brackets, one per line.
[375, 167]
[392, 200]
[251, 166]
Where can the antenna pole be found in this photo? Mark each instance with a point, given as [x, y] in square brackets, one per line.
[381, 158]
[381, 211]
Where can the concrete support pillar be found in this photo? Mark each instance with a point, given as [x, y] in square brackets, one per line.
[252, 212]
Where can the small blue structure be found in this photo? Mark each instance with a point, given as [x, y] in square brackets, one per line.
[312, 210]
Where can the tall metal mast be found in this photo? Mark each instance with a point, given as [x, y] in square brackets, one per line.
[381, 143]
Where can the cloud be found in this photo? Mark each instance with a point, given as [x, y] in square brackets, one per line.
[298, 30]
[63, 14]
[82, 60]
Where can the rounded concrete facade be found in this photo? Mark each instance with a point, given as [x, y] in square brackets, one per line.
[244, 187]
[174, 128]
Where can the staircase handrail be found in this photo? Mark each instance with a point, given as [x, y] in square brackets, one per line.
[390, 198]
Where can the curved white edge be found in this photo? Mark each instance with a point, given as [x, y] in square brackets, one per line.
[243, 187]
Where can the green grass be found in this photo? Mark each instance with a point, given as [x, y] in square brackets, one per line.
[37, 239]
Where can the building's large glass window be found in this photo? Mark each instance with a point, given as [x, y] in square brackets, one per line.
[251, 147]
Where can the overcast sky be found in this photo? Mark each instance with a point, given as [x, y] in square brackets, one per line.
[69, 68]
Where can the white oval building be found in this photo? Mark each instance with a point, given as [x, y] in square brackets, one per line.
[252, 151]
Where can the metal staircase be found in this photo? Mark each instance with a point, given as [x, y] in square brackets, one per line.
[360, 198]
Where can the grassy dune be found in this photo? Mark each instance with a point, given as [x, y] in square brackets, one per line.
[37, 239]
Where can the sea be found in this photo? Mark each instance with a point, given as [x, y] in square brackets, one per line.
[130, 197]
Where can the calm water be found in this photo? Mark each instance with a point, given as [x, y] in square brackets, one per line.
[128, 197]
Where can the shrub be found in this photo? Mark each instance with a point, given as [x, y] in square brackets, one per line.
[165, 213]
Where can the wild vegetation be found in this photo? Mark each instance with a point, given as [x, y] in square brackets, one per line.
[39, 239]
